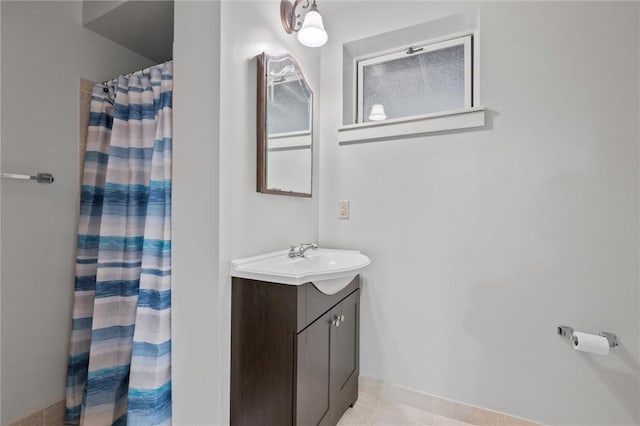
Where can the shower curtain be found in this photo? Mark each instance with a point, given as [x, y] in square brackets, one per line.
[119, 369]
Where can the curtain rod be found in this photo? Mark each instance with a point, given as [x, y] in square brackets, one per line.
[144, 71]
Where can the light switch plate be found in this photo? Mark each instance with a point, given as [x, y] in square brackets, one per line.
[343, 209]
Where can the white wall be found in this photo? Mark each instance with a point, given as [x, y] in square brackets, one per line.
[45, 52]
[196, 141]
[217, 213]
[0, 220]
[252, 223]
[483, 241]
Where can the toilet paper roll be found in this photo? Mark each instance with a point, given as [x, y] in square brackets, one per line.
[590, 343]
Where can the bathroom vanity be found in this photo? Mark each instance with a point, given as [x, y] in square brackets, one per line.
[294, 349]
[295, 324]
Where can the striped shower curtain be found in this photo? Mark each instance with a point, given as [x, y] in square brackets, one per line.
[119, 369]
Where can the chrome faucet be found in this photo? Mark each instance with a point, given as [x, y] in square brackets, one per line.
[301, 249]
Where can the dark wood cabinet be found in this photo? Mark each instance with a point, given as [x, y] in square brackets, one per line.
[294, 353]
[313, 367]
[345, 355]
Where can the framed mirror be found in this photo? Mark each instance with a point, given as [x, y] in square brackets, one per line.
[285, 127]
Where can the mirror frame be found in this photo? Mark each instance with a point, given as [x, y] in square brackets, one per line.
[262, 125]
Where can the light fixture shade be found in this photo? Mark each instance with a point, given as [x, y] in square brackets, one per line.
[312, 33]
[377, 113]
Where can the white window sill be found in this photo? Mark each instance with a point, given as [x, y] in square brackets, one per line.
[412, 126]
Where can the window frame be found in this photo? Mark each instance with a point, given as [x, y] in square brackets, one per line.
[466, 40]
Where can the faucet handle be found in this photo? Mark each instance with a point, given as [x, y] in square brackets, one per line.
[299, 251]
[294, 251]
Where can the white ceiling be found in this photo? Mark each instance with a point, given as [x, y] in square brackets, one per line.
[144, 26]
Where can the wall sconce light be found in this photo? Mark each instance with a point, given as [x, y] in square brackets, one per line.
[311, 32]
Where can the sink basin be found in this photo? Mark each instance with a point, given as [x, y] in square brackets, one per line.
[329, 270]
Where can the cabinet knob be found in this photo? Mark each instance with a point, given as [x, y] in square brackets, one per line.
[336, 321]
[341, 318]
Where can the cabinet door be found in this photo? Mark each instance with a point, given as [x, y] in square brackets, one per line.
[312, 378]
[345, 355]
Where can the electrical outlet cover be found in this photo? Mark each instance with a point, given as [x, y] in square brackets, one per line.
[343, 209]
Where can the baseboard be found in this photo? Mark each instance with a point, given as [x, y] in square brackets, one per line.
[52, 415]
[442, 406]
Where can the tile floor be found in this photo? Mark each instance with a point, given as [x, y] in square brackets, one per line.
[370, 410]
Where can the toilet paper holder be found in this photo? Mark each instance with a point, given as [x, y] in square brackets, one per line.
[567, 332]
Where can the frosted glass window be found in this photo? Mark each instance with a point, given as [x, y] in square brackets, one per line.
[421, 80]
[288, 107]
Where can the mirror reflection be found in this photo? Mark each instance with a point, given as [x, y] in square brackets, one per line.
[285, 108]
